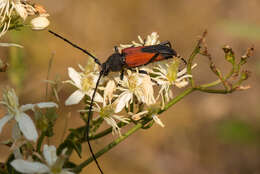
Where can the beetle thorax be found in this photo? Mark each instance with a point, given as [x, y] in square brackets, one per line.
[114, 63]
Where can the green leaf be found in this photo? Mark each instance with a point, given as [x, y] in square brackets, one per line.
[78, 148]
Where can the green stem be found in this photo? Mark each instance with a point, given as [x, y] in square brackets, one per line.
[131, 131]
[190, 61]
[176, 99]
[39, 143]
[216, 91]
[214, 83]
[108, 147]
[105, 132]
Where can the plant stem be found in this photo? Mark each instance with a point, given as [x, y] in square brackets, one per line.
[108, 147]
[176, 99]
[105, 132]
[216, 91]
[190, 61]
[39, 143]
[131, 131]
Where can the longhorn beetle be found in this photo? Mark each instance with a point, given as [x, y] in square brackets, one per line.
[129, 58]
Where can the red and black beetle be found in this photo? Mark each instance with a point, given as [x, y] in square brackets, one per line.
[129, 58]
[133, 57]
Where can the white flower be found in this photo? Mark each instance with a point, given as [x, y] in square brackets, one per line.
[6, 9]
[85, 82]
[167, 75]
[151, 39]
[157, 120]
[151, 110]
[109, 91]
[16, 112]
[135, 84]
[53, 164]
[10, 9]
[108, 113]
[40, 23]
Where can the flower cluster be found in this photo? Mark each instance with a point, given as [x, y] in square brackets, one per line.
[135, 90]
[14, 12]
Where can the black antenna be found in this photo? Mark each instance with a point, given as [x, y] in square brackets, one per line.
[93, 96]
[75, 46]
[88, 121]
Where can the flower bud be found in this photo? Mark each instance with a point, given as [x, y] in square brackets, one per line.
[40, 23]
[245, 75]
[229, 54]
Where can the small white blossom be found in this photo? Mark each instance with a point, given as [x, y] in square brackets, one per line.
[109, 91]
[135, 84]
[52, 165]
[109, 114]
[167, 75]
[40, 23]
[85, 82]
[138, 115]
[151, 110]
[151, 39]
[16, 112]
[157, 120]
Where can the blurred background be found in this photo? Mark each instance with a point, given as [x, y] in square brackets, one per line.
[204, 133]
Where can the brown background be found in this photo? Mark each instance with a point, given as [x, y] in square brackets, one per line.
[204, 133]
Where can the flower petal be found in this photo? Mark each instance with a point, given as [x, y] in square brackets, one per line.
[47, 105]
[40, 23]
[122, 100]
[157, 120]
[4, 120]
[26, 107]
[29, 167]
[66, 171]
[10, 44]
[17, 154]
[49, 153]
[74, 98]
[21, 10]
[27, 127]
[16, 134]
[108, 92]
[75, 77]
[98, 97]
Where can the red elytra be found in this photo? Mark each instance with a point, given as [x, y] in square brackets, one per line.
[142, 55]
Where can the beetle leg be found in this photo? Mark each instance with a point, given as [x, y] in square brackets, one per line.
[122, 74]
[144, 42]
[116, 49]
[183, 60]
[144, 72]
